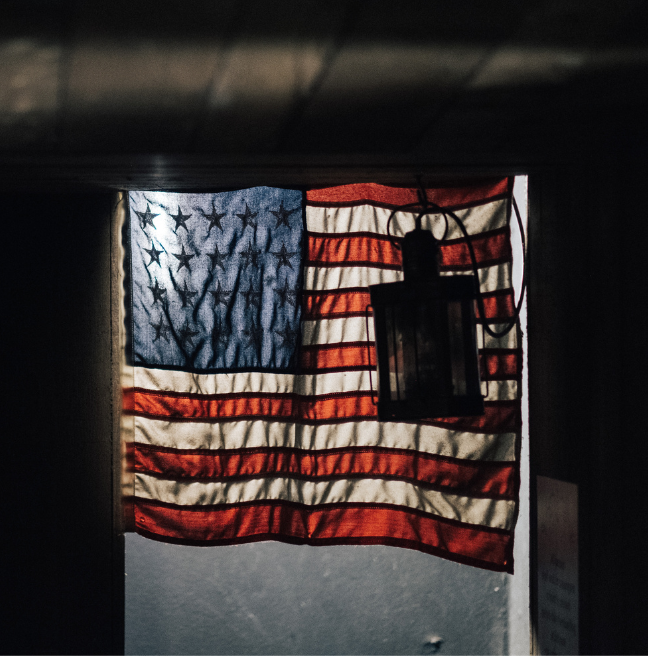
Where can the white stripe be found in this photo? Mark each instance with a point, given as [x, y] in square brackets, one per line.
[507, 341]
[484, 512]
[333, 331]
[260, 434]
[235, 383]
[366, 218]
[354, 329]
[491, 278]
[184, 382]
[494, 277]
[499, 390]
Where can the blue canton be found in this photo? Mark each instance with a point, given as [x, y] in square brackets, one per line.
[216, 279]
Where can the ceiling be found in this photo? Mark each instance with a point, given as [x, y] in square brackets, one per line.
[163, 94]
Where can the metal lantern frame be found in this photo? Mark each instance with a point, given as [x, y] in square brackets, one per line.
[425, 329]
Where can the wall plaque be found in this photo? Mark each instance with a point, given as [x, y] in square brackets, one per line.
[557, 587]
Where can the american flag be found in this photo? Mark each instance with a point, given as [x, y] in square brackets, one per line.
[251, 404]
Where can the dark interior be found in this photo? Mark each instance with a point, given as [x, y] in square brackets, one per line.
[101, 96]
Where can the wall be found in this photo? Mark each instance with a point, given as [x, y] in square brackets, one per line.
[62, 557]
[587, 364]
[274, 598]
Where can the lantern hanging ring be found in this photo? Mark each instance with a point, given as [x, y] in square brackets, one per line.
[424, 212]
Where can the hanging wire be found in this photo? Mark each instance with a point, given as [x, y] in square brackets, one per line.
[369, 353]
[429, 207]
[487, 379]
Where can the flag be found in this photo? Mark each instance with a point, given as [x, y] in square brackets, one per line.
[252, 409]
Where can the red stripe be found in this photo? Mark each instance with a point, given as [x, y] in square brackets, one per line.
[500, 364]
[353, 302]
[391, 197]
[500, 416]
[352, 249]
[499, 304]
[349, 302]
[347, 524]
[495, 364]
[490, 248]
[345, 356]
[369, 249]
[325, 408]
[477, 479]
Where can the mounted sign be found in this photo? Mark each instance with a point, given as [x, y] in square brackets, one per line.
[557, 609]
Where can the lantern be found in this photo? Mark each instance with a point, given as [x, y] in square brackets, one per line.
[426, 343]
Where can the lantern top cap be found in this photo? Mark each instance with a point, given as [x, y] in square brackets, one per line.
[420, 256]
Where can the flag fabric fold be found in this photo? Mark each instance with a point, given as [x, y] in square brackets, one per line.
[251, 402]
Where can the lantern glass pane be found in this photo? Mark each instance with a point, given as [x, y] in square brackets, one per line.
[472, 358]
[400, 344]
[431, 348]
[426, 349]
[391, 352]
[457, 347]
